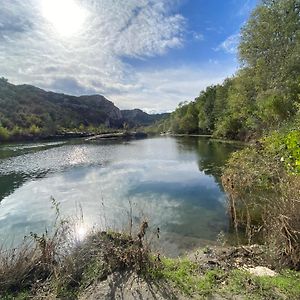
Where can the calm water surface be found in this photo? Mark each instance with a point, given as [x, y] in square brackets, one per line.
[172, 182]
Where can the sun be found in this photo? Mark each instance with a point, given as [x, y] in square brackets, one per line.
[66, 17]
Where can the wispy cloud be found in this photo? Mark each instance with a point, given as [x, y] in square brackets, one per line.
[92, 61]
[30, 50]
[163, 89]
[198, 36]
[230, 45]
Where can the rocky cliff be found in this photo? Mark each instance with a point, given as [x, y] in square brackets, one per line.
[25, 105]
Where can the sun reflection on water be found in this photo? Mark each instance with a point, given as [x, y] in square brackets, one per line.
[81, 231]
[77, 156]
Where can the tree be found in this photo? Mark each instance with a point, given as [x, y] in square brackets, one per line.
[4, 134]
[189, 123]
[270, 46]
[205, 104]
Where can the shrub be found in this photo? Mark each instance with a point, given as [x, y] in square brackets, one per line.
[264, 194]
[4, 134]
[35, 130]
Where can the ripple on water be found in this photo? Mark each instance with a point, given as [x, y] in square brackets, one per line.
[165, 179]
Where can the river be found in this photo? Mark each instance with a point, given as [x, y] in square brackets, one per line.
[172, 182]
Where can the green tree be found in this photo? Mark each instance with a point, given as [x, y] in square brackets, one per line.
[270, 46]
[35, 130]
[205, 104]
[4, 134]
[189, 123]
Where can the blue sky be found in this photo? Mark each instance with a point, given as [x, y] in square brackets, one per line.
[148, 54]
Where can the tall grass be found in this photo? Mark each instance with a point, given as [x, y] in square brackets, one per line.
[264, 201]
[60, 264]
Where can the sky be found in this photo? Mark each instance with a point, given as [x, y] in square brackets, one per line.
[147, 54]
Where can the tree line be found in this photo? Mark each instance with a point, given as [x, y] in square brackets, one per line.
[264, 93]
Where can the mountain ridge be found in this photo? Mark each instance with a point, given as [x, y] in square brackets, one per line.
[26, 105]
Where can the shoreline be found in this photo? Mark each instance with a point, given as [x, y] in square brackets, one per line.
[112, 265]
[76, 135]
[113, 136]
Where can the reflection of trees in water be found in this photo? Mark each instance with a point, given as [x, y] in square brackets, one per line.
[212, 155]
[9, 183]
[12, 181]
[11, 150]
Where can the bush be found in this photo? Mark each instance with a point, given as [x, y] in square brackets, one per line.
[57, 264]
[35, 130]
[264, 194]
[4, 134]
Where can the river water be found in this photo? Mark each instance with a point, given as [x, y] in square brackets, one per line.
[173, 183]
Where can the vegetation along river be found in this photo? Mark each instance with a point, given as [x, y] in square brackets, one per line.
[174, 183]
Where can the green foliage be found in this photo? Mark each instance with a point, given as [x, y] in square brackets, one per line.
[34, 129]
[181, 272]
[184, 119]
[292, 144]
[19, 296]
[186, 275]
[286, 147]
[284, 286]
[27, 111]
[270, 43]
[4, 134]
[205, 104]
[263, 185]
[265, 93]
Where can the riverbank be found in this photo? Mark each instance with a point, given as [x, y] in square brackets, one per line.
[111, 265]
[91, 271]
[118, 135]
[46, 137]
[211, 138]
[77, 135]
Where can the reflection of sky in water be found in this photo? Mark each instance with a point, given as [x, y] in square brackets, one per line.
[158, 176]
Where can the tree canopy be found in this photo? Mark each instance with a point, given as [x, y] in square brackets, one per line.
[264, 93]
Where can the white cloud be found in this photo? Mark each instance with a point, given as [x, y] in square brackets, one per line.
[230, 45]
[162, 89]
[198, 36]
[32, 51]
[92, 61]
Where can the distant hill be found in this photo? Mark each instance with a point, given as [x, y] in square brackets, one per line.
[137, 117]
[25, 106]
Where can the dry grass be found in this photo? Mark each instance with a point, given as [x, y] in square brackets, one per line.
[264, 201]
[34, 261]
[58, 264]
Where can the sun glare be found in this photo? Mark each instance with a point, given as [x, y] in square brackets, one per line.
[65, 16]
[81, 231]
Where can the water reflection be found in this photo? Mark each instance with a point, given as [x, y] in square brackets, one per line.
[11, 177]
[160, 178]
[211, 154]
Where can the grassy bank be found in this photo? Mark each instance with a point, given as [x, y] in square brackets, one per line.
[263, 184]
[107, 264]
[190, 279]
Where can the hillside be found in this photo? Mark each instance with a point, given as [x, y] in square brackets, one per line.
[28, 108]
[137, 117]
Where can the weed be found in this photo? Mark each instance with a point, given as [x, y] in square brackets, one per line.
[264, 200]
[186, 276]
[283, 286]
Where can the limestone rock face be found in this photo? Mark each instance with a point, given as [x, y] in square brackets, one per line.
[24, 105]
